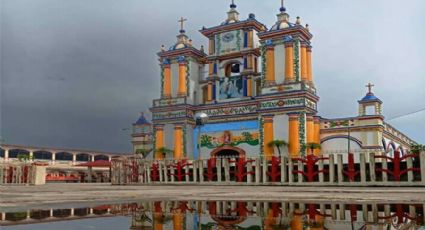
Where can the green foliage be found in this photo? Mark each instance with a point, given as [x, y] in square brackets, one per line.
[24, 157]
[312, 146]
[143, 152]
[417, 148]
[164, 151]
[247, 136]
[278, 144]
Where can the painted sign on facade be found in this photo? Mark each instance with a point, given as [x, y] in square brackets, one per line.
[231, 110]
[230, 138]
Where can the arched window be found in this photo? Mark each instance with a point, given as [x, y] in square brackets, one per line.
[83, 157]
[233, 69]
[2, 153]
[42, 155]
[15, 152]
[64, 156]
[101, 157]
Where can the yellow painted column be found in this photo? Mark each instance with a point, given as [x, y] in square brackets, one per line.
[250, 39]
[289, 62]
[294, 138]
[304, 62]
[211, 69]
[182, 80]
[158, 221]
[178, 142]
[309, 65]
[167, 81]
[270, 71]
[159, 141]
[268, 136]
[317, 134]
[210, 91]
[310, 132]
[297, 222]
[269, 220]
[178, 219]
[249, 86]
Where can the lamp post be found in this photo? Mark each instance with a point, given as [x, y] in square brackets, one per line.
[200, 120]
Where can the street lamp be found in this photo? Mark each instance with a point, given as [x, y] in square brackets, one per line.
[200, 120]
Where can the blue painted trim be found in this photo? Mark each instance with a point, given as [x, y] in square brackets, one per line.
[215, 68]
[245, 87]
[245, 63]
[245, 39]
[214, 93]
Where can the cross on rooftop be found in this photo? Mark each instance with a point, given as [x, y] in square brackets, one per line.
[182, 20]
[370, 86]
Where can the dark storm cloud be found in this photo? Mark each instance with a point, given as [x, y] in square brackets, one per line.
[74, 73]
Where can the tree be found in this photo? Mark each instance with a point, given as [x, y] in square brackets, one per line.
[312, 146]
[24, 157]
[164, 151]
[143, 152]
[417, 148]
[278, 144]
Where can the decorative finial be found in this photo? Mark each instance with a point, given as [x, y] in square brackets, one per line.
[202, 48]
[190, 42]
[370, 86]
[233, 5]
[182, 20]
[282, 6]
[298, 22]
[162, 48]
[307, 27]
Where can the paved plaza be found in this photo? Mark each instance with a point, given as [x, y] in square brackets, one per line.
[13, 197]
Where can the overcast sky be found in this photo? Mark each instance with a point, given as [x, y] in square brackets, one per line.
[74, 73]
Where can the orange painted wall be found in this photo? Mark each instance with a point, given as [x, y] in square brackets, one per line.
[167, 81]
[270, 62]
[159, 141]
[304, 63]
[294, 139]
[178, 142]
[182, 79]
[289, 63]
[268, 137]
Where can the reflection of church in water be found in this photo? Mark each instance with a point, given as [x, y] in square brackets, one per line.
[256, 85]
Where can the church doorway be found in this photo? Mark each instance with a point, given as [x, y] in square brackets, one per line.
[228, 152]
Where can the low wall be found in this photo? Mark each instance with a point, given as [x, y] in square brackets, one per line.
[372, 170]
[22, 174]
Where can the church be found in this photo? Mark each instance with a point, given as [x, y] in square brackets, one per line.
[255, 86]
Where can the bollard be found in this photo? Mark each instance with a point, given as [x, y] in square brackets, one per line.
[249, 170]
[265, 169]
[219, 167]
[257, 171]
[300, 168]
[226, 170]
[331, 168]
[283, 173]
[339, 168]
[362, 168]
[321, 174]
[372, 167]
[409, 162]
[384, 167]
[201, 171]
[290, 171]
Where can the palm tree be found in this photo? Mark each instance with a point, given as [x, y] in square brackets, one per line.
[312, 146]
[278, 144]
[143, 152]
[163, 151]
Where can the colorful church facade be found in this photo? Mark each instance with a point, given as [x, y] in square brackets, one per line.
[256, 85]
